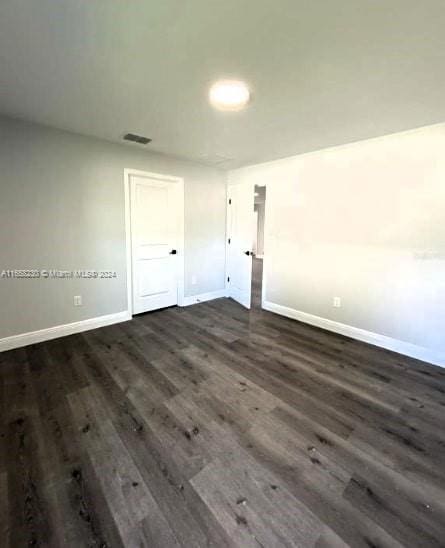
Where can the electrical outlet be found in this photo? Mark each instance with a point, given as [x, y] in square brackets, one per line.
[78, 300]
[336, 303]
[194, 280]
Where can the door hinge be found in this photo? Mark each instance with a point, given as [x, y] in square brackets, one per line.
[228, 278]
[228, 241]
[230, 201]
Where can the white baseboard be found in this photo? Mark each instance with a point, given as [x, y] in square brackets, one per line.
[17, 341]
[408, 349]
[194, 299]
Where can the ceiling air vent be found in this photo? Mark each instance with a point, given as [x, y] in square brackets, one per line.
[137, 139]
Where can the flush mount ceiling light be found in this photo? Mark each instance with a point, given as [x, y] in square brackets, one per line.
[229, 95]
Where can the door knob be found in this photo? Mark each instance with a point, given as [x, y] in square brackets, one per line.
[248, 253]
[173, 252]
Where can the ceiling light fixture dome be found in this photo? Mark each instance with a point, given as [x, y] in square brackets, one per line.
[229, 95]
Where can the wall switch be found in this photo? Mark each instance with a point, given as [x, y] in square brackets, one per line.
[194, 280]
[78, 300]
[336, 303]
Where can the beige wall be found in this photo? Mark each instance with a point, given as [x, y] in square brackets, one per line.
[364, 222]
[62, 206]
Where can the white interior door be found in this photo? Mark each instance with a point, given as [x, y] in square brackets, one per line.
[155, 237]
[240, 223]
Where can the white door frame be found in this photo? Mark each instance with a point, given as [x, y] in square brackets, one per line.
[128, 172]
[265, 246]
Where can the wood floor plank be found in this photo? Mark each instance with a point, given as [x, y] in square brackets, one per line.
[398, 520]
[28, 504]
[4, 505]
[129, 499]
[339, 515]
[253, 513]
[186, 513]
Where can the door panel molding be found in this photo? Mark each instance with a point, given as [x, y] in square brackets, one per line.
[128, 173]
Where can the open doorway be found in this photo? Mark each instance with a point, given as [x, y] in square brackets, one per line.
[259, 208]
[245, 242]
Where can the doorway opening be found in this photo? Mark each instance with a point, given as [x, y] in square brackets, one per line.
[259, 210]
[246, 205]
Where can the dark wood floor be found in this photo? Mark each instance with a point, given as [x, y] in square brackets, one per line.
[215, 426]
[257, 282]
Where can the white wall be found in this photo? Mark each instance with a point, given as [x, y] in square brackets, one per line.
[260, 209]
[62, 207]
[365, 222]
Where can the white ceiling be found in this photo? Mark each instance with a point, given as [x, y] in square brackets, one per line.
[323, 72]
